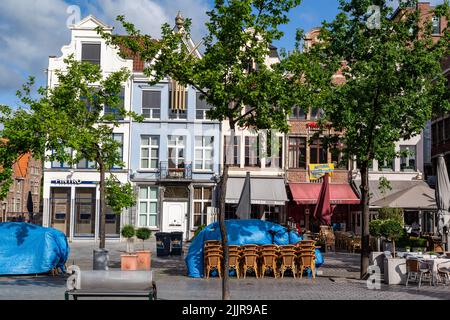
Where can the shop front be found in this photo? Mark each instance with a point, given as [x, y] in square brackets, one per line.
[304, 199]
[268, 198]
[72, 207]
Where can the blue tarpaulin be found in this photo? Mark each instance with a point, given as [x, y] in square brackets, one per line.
[31, 249]
[240, 232]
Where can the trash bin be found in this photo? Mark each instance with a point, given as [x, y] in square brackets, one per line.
[101, 259]
[162, 244]
[176, 243]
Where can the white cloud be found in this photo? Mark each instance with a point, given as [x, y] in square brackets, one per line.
[32, 30]
[149, 15]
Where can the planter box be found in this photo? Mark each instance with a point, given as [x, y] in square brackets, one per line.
[128, 262]
[394, 271]
[377, 259]
[143, 259]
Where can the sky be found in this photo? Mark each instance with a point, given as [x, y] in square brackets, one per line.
[32, 30]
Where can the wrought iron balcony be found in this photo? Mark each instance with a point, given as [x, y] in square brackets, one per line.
[172, 171]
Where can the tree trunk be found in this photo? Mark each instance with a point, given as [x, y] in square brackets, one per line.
[102, 205]
[365, 219]
[223, 233]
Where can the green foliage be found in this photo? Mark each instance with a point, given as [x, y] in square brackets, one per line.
[67, 117]
[391, 214]
[143, 234]
[128, 231]
[119, 196]
[375, 228]
[391, 229]
[231, 73]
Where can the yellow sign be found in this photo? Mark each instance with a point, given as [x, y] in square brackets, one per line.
[317, 171]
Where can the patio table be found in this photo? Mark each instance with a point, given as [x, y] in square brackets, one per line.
[435, 264]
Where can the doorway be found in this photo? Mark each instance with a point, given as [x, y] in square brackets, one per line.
[85, 212]
[175, 217]
[60, 209]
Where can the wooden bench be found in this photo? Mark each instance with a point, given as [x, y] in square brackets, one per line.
[100, 283]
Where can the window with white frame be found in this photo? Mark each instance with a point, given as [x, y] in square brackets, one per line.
[58, 164]
[148, 207]
[202, 200]
[204, 153]
[149, 152]
[91, 52]
[118, 137]
[176, 146]
[201, 107]
[151, 104]
[408, 159]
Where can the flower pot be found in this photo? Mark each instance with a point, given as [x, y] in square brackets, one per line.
[128, 262]
[143, 259]
[395, 271]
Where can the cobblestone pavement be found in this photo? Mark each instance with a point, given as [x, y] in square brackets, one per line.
[338, 281]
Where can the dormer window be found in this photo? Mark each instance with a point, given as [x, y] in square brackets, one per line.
[91, 52]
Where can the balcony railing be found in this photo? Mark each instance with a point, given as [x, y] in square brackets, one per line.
[181, 171]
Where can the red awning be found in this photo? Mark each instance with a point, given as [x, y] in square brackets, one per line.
[307, 193]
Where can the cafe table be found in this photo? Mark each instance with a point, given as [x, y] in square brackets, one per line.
[435, 264]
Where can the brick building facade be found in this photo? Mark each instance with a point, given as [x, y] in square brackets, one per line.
[24, 192]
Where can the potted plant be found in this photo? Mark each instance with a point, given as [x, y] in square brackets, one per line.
[394, 268]
[144, 256]
[129, 260]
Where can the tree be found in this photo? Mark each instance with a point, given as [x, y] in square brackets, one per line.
[392, 230]
[392, 84]
[70, 117]
[231, 72]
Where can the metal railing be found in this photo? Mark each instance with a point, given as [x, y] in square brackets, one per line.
[182, 171]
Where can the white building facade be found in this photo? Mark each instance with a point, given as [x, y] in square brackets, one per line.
[71, 193]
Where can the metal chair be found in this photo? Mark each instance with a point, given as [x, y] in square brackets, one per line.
[307, 260]
[416, 269]
[288, 262]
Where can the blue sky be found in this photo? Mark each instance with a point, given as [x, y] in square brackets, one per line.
[32, 30]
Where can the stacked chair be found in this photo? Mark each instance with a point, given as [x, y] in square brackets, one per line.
[261, 259]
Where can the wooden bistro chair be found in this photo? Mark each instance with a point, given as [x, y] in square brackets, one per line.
[269, 262]
[250, 262]
[234, 262]
[307, 260]
[288, 262]
[213, 261]
[212, 243]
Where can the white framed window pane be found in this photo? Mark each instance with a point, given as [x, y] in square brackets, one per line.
[198, 164]
[144, 163]
[154, 153]
[153, 193]
[209, 142]
[154, 141]
[152, 221]
[153, 207]
[145, 153]
[143, 220]
[208, 154]
[144, 141]
[208, 165]
[198, 141]
[143, 193]
[154, 164]
[143, 207]
[198, 154]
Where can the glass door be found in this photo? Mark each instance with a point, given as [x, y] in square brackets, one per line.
[60, 209]
[112, 223]
[85, 212]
